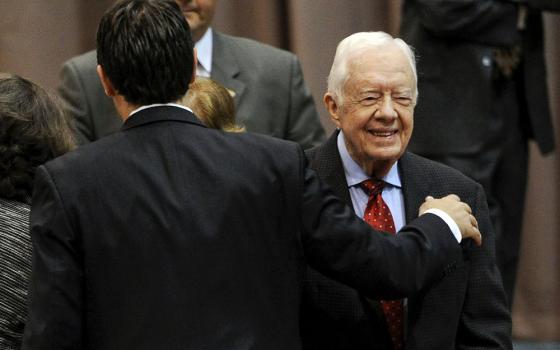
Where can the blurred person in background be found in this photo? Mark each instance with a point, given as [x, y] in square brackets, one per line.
[33, 130]
[270, 94]
[482, 77]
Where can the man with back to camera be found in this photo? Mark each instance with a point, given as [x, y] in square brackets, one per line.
[270, 94]
[170, 235]
[371, 97]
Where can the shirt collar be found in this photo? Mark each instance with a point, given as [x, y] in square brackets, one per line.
[159, 105]
[355, 174]
[204, 50]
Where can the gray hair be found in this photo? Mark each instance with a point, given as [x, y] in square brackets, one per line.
[354, 43]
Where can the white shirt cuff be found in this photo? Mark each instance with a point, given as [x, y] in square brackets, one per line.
[449, 221]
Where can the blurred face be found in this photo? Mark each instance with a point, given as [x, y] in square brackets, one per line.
[376, 112]
[199, 14]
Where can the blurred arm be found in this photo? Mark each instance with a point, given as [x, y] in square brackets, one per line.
[544, 5]
[490, 22]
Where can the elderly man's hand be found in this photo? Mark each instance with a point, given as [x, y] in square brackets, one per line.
[460, 212]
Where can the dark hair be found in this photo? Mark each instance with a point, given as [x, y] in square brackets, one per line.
[146, 50]
[212, 104]
[33, 130]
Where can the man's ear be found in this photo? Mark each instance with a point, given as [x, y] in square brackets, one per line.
[195, 63]
[333, 108]
[107, 85]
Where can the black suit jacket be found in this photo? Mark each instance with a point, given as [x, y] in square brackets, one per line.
[170, 235]
[454, 42]
[271, 97]
[465, 310]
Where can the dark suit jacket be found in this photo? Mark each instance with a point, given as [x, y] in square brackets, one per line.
[271, 97]
[454, 42]
[465, 310]
[170, 235]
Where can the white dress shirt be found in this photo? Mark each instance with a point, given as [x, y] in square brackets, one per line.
[204, 54]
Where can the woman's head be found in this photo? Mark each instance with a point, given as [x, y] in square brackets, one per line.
[33, 130]
[213, 104]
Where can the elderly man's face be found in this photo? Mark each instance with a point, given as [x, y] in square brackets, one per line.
[199, 14]
[376, 114]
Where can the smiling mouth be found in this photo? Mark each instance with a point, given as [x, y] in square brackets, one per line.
[383, 133]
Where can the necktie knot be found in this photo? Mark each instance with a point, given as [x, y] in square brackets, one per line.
[372, 187]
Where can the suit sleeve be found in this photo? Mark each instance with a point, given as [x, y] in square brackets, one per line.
[485, 319]
[491, 22]
[56, 285]
[73, 94]
[304, 126]
[340, 245]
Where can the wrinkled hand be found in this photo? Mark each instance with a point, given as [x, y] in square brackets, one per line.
[460, 212]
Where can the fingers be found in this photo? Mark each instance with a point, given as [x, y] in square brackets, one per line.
[449, 196]
[453, 197]
[474, 223]
[452, 205]
[472, 232]
[476, 236]
[467, 207]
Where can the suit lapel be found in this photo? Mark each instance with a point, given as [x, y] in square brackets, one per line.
[225, 68]
[326, 161]
[415, 186]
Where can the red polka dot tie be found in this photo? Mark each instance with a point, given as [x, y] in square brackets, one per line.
[378, 216]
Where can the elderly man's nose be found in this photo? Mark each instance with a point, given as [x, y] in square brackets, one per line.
[387, 108]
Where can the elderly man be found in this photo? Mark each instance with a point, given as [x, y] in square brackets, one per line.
[371, 97]
[267, 84]
[170, 235]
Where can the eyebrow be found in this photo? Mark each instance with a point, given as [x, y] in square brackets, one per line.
[403, 92]
[380, 90]
[369, 91]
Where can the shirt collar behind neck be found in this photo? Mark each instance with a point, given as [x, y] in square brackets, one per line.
[158, 105]
[355, 174]
[204, 50]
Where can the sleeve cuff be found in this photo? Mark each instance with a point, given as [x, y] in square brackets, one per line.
[449, 221]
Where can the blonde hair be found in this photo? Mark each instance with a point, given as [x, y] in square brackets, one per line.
[212, 104]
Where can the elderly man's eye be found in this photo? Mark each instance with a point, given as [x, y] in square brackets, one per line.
[404, 99]
[369, 99]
